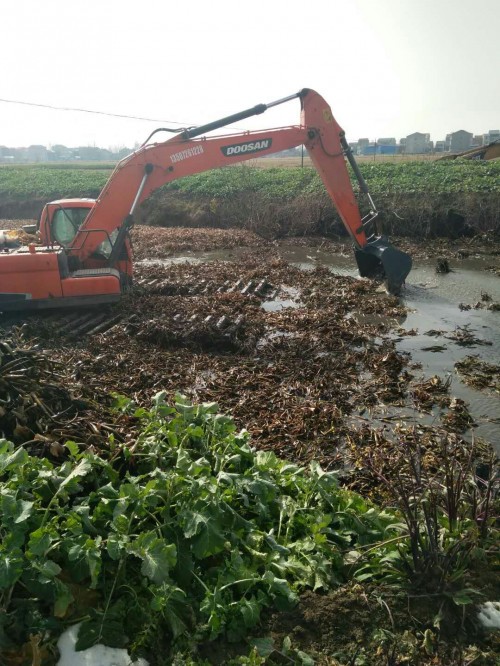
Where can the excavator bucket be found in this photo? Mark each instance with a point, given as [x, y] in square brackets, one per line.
[380, 259]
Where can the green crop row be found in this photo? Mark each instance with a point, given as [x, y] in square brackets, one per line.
[385, 177]
[20, 183]
[24, 183]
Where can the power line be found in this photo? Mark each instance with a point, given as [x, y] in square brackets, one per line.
[101, 113]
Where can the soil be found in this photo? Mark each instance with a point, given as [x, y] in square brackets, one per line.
[367, 625]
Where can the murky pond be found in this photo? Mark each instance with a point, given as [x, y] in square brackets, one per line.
[433, 302]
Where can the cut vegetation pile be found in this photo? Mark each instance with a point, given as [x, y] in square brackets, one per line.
[290, 374]
[159, 243]
[41, 410]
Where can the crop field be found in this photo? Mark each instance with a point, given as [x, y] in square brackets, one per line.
[281, 178]
[416, 197]
[288, 162]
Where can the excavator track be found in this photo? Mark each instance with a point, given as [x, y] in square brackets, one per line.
[76, 324]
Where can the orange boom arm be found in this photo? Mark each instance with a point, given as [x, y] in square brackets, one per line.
[153, 165]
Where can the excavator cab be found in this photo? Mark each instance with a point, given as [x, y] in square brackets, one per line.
[53, 274]
[65, 224]
[60, 220]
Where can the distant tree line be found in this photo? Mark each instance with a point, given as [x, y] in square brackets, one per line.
[60, 153]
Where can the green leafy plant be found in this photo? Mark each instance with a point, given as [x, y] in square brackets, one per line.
[189, 534]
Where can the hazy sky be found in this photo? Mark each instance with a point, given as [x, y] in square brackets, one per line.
[386, 67]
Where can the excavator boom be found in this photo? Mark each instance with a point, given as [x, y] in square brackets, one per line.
[97, 262]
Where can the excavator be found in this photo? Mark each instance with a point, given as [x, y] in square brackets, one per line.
[85, 254]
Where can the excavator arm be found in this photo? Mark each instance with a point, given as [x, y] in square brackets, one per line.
[94, 265]
[153, 165]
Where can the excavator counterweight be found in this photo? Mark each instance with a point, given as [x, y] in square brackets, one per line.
[86, 257]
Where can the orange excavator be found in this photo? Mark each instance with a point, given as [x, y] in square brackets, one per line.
[86, 258]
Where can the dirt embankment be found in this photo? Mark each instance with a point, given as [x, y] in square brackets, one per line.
[460, 215]
[412, 215]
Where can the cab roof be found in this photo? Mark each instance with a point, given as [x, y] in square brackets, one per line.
[73, 202]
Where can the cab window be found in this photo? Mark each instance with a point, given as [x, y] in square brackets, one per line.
[65, 224]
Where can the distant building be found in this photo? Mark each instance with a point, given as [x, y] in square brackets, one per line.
[60, 153]
[491, 137]
[387, 149]
[362, 143]
[460, 141]
[439, 147]
[367, 148]
[417, 143]
[374, 148]
[477, 140]
[386, 141]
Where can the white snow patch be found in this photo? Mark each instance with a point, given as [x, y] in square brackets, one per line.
[98, 655]
[489, 614]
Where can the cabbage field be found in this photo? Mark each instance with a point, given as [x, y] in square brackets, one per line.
[416, 197]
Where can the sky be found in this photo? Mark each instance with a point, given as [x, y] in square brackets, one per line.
[386, 67]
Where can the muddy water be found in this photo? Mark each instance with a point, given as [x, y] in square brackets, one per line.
[432, 300]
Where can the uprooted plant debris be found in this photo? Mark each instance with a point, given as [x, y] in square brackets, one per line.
[161, 242]
[478, 373]
[486, 303]
[462, 336]
[481, 246]
[291, 354]
[40, 410]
